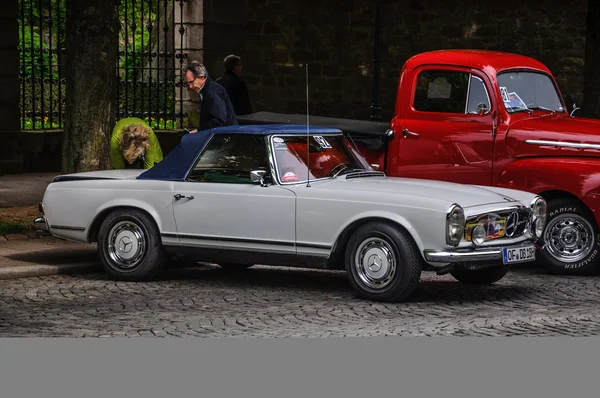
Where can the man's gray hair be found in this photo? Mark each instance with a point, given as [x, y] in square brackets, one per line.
[197, 69]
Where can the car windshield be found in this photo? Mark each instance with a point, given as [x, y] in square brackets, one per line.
[327, 156]
[523, 91]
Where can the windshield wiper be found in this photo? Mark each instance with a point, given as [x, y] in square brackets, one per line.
[541, 108]
[515, 109]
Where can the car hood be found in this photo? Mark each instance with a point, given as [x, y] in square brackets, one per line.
[100, 174]
[560, 128]
[389, 188]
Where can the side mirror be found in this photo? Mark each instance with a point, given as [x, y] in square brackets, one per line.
[482, 109]
[258, 176]
[375, 166]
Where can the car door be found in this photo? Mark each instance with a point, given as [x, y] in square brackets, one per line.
[219, 207]
[446, 133]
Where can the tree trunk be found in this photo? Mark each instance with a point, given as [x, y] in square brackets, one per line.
[591, 89]
[92, 53]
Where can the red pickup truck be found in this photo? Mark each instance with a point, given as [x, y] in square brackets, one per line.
[493, 119]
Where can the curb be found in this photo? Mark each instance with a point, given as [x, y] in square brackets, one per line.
[28, 271]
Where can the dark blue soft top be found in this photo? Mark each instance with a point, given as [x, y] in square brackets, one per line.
[175, 166]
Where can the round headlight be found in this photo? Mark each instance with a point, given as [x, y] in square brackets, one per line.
[539, 215]
[478, 235]
[455, 225]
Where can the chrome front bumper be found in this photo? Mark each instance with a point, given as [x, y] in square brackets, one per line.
[471, 254]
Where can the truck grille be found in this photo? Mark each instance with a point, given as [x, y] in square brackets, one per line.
[505, 224]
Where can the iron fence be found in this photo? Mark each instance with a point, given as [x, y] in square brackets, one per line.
[150, 67]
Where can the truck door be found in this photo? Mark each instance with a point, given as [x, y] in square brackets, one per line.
[445, 132]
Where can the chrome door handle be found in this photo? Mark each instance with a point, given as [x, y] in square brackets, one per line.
[406, 132]
[180, 196]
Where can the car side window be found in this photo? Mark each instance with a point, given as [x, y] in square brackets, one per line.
[478, 96]
[441, 91]
[229, 158]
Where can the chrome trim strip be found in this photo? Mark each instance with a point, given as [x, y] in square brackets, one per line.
[563, 144]
[469, 255]
[68, 228]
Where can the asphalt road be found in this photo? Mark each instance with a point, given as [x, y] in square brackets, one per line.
[275, 302]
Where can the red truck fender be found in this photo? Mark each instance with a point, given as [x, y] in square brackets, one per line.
[573, 209]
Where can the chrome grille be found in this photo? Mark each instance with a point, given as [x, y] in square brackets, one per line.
[507, 223]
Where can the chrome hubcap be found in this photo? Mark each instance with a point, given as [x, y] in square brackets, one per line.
[126, 244]
[375, 263]
[569, 238]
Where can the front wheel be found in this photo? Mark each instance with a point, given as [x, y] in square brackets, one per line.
[383, 263]
[485, 276]
[130, 247]
[571, 238]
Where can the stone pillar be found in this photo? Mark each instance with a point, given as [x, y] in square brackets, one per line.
[191, 43]
[213, 30]
[11, 160]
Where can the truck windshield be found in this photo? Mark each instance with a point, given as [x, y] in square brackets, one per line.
[327, 156]
[523, 91]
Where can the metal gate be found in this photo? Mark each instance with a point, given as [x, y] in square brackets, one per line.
[149, 66]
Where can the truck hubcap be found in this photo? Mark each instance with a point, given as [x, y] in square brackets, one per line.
[375, 263]
[126, 244]
[569, 238]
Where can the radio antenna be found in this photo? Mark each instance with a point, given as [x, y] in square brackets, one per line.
[307, 135]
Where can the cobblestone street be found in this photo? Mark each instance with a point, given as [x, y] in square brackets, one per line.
[276, 302]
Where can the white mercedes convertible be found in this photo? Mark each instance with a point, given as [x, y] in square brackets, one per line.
[294, 196]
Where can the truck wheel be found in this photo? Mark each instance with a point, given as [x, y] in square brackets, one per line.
[382, 263]
[485, 276]
[572, 239]
[130, 247]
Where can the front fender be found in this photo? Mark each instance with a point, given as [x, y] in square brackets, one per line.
[421, 238]
[578, 177]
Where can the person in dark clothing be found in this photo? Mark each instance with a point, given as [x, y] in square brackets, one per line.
[215, 106]
[235, 86]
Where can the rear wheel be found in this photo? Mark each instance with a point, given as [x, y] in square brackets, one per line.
[485, 276]
[382, 262]
[130, 247]
[571, 238]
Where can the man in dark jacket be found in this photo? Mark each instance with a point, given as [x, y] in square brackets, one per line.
[235, 86]
[215, 106]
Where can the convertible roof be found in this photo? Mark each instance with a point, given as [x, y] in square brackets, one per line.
[175, 166]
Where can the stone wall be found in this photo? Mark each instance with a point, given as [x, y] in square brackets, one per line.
[10, 159]
[336, 38]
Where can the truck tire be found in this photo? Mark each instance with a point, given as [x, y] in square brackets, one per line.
[572, 239]
[485, 276]
[382, 262]
[129, 246]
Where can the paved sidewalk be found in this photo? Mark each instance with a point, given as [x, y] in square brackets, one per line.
[23, 189]
[46, 256]
[26, 254]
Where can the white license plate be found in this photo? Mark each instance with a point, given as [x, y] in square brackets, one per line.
[518, 255]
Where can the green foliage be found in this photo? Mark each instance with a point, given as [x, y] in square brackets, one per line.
[42, 67]
[8, 227]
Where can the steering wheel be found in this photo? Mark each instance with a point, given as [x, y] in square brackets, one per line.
[336, 167]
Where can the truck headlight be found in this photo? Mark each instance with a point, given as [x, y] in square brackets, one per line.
[455, 225]
[539, 210]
